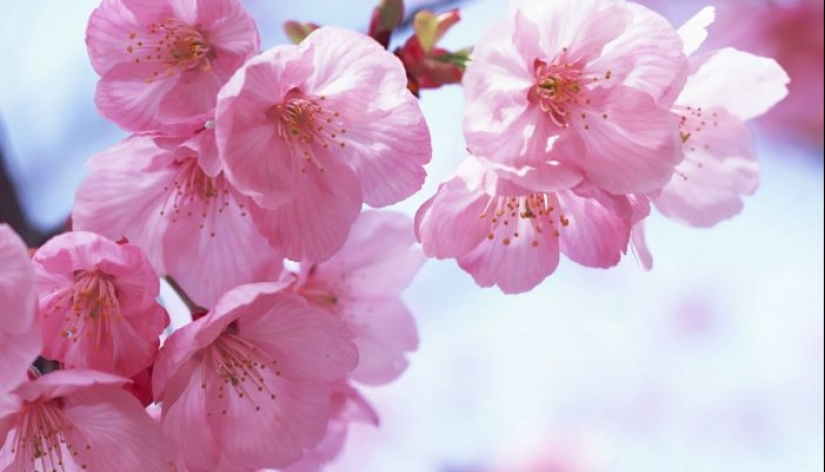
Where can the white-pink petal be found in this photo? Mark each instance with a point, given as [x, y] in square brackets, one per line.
[744, 84]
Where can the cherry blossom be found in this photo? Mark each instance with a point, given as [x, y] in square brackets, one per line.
[97, 304]
[312, 131]
[249, 385]
[590, 82]
[512, 237]
[162, 62]
[719, 163]
[74, 420]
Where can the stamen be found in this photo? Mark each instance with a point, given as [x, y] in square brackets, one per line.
[173, 47]
[308, 125]
[89, 308]
[239, 365]
[559, 89]
[193, 194]
[43, 438]
[528, 215]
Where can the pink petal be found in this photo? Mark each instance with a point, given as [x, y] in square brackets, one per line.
[447, 225]
[509, 241]
[633, 150]
[147, 12]
[388, 154]
[387, 140]
[126, 186]
[19, 352]
[315, 224]
[548, 176]
[647, 57]
[346, 62]
[582, 27]
[193, 95]
[16, 283]
[133, 104]
[106, 34]
[362, 285]
[596, 235]
[186, 424]
[384, 332]
[378, 260]
[66, 382]
[498, 121]
[297, 420]
[308, 343]
[758, 85]
[514, 263]
[519, 140]
[118, 430]
[214, 246]
[719, 167]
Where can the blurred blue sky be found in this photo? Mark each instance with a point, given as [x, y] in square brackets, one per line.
[711, 362]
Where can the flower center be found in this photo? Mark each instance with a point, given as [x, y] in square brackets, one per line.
[557, 89]
[89, 308]
[193, 194]
[43, 438]
[172, 47]
[307, 125]
[240, 367]
[528, 215]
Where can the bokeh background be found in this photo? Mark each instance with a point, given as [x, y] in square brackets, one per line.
[713, 361]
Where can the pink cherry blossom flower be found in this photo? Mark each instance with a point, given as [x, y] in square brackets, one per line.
[590, 82]
[97, 304]
[719, 163]
[20, 338]
[362, 285]
[162, 61]
[248, 385]
[73, 420]
[168, 195]
[509, 236]
[312, 131]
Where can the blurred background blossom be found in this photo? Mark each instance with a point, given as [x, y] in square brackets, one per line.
[711, 362]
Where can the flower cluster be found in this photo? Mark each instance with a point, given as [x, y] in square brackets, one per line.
[243, 181]
[238, 160]
[579, 115]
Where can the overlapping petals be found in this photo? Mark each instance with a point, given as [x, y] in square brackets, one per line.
[362, 285]
[167, 195]
[162, 62]
[79, 420]
[97, 304]
[719, 165]
[591, 80]
[251, 381]
[512, 237]
[312, 131]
